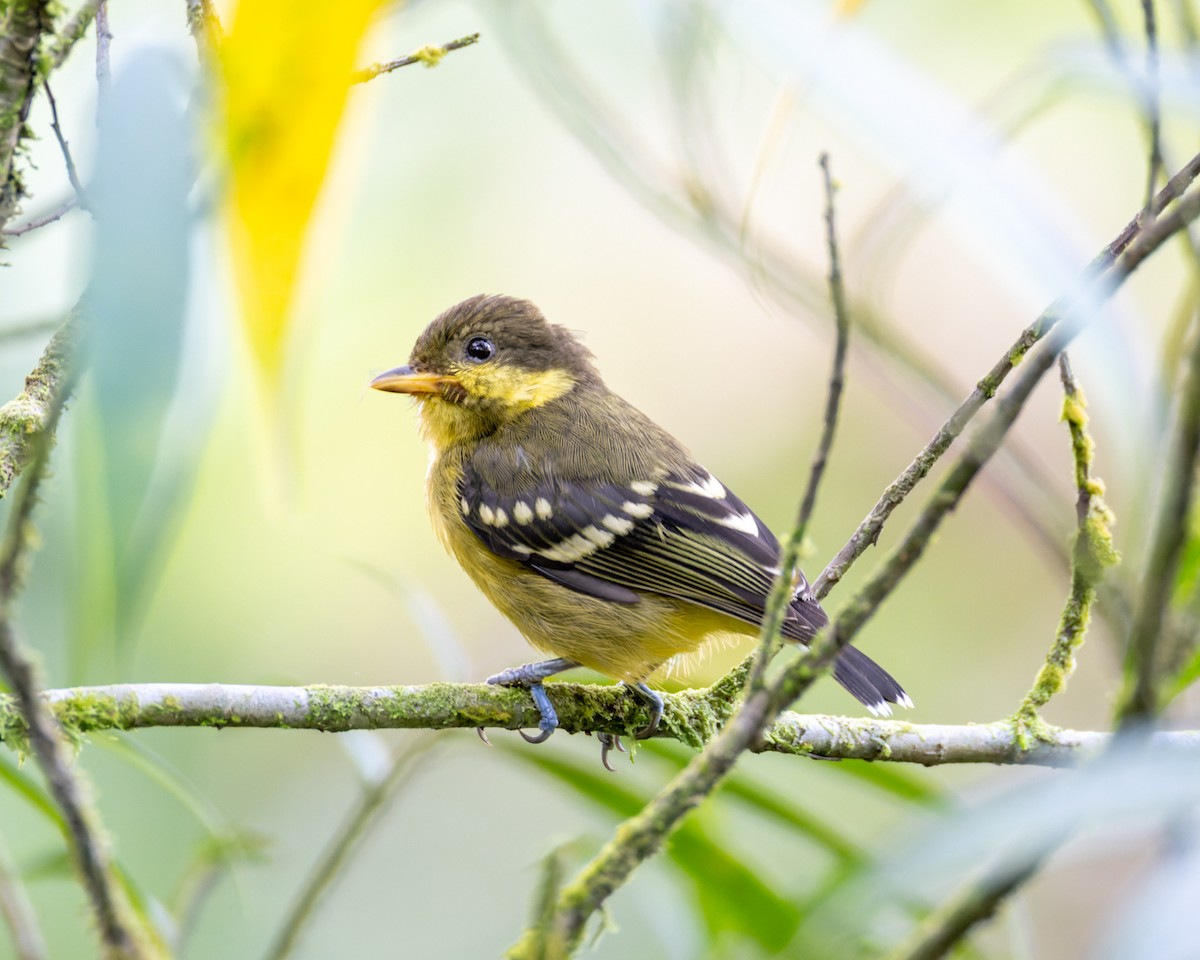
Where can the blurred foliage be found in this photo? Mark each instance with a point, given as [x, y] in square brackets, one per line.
[279, 63]
[985, 157]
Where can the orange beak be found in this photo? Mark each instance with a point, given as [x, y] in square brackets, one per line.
[417, 383]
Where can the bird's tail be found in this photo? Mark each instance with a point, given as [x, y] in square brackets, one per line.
[873, 686]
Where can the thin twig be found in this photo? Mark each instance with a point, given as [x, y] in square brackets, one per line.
[837, 377]
[18, 914]
[1153, 106]
[72, 173]
[103, 41]
[372, 804]
[794, 543]
[868, 531]
[1092, 555]
[430, 56]
[91, 856]
[1142, 698]
[38, 222]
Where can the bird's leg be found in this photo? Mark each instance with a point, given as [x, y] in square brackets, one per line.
[652, 699]
[530, 676]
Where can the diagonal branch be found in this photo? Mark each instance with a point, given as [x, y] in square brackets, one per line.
[868, 531]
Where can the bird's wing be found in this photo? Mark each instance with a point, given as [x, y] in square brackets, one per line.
[682, 535]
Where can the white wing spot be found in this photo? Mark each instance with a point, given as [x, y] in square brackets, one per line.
[710, 486]
[543, 509]
[644, 488]
[639, 510]
[501, 518]
[744, 522]
[618, 525]
[601, 538]
[574, 548]
[466, 506]
[486, 514]
[522, 512]
[522, 549]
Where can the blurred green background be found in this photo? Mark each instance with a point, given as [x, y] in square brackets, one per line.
[985, 153]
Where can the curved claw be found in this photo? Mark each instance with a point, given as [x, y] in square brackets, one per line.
[483, 735]
[607, 742]
[654, 701]
[540, 737]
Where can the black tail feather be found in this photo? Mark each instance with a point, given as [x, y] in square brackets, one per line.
[871, 685]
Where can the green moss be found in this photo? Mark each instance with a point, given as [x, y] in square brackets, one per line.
[86, 712]
[431, 56]
[330, 709]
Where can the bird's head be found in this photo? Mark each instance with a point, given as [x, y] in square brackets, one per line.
[485, 362]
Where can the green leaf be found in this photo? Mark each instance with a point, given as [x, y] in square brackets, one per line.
[136, 302]
[729, 895]
[34, 794]
[786, 812]
[899, 782]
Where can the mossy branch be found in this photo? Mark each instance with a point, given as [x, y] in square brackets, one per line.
[23, 420]
[23, 23]
[1093, 554]
[693, 717]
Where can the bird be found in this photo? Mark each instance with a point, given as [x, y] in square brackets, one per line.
[585, 523]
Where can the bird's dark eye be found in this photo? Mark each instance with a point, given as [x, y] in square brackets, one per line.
[480, 349]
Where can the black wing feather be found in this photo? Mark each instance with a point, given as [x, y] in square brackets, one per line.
[682, 535]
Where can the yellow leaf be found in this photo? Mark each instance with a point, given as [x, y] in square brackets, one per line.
[286, 70]
[845, 9]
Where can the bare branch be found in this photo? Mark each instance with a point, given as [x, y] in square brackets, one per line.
[1143, 698]
[103, 41]
[1153, 107]
[72, 173]
[794, 543]
[43, 220]
[18, 913]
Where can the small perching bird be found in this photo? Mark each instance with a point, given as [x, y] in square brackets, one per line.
[589, 526]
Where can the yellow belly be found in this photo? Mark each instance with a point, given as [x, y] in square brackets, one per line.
[620, 640]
